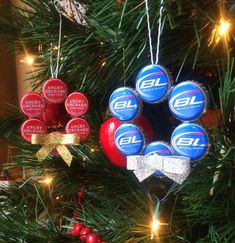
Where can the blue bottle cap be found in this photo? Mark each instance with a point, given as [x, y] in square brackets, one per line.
[187, 101]
[159, 148]
[189, 140]
[153, 83]
[124, 104]
[129, 139]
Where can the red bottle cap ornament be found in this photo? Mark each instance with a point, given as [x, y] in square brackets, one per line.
[54, 90]
[78, 126]
[32, 104]
[77, 104]
[32, 126]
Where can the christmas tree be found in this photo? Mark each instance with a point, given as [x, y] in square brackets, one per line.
[96, 47]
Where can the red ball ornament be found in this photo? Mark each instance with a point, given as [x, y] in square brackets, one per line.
[54, 116]
[76, 229]
[93, 238]
[107, 131]
[84, 233]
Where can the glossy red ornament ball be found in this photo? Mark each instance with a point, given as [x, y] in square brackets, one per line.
[84, 233]
[54, 116]
[76, 229]
[107, 131]
[93, 238]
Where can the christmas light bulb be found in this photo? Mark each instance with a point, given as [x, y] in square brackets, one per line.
[47, 180]
[220, 32]
[29, 59]
[223, 27]
[155, 225]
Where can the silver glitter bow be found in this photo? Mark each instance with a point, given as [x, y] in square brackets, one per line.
[175, 167]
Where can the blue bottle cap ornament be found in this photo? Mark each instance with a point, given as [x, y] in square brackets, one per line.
[124, 104]
[159, 148]
[187, 101]
[153, 83]
[189, 140]
[129, 139]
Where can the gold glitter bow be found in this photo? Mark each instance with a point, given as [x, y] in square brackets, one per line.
[53, 141]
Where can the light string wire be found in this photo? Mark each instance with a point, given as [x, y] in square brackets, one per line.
[59, 46]
[161, 201]
[159, 30]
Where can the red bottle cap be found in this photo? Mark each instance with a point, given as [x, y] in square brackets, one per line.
[78, 126]
[32, 104]
[76, 104]
[32, 126]
[54, 90]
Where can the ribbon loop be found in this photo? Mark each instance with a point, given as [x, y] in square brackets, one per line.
[176, 168]
[55, 141]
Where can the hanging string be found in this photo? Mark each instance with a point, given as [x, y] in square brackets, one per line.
[149, 31]
[58, 50]
[159, 30]
[51, 66]
[124, 65]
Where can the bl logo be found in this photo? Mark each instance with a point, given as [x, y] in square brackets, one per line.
[124, 104]
[188, 142]
[147, 84]
[129, 140]
[186, 101]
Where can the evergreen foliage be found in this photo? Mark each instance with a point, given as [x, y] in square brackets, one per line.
[98, 57]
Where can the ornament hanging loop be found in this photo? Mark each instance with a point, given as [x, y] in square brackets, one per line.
[160, 26]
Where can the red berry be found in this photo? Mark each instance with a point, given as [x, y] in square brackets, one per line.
[80, 197]
[93, 238]
[76, 229]
[84, 233]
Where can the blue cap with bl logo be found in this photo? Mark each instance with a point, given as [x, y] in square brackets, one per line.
[124, 104]
[159, 148]
[187, 101]
[129, 139]
[189, 140]
[153, 83]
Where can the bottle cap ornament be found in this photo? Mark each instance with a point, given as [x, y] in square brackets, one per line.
[32, 126]
[153, 83]
[124, 104]
[187, 101]
[189, 140]
[78, 126]
[159, 148]
[54, 90]
[32, 104]
[129, 139]
[77, 104]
